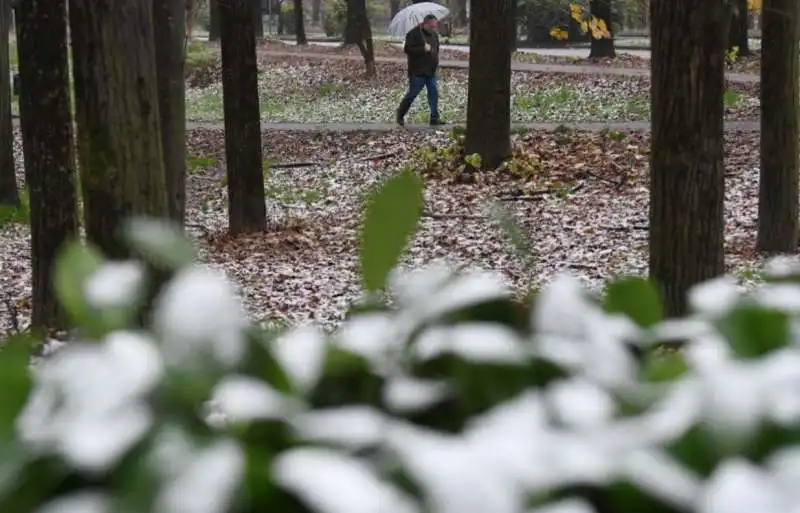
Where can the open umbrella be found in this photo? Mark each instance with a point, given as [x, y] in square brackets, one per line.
[412, 16]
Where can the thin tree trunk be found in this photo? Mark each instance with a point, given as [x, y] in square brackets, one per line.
[687, 170]
[489, 97]
[357, 32]
[116, 106]
[169, 20]
[9, 195]
[316, 12]
[394, 7]
[213, 20]
[47, 143]
[737, 35]
[246, 208]
[299, 23]
[513, 19]
[602, 47]
[461, 13]
[258, 19]
[780, 127]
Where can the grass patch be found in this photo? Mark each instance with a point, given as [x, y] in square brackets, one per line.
[547, 100]
[638, 109]
[195, 163]
[731, 99]
[283, 193]
[18, 214]
[329, 89]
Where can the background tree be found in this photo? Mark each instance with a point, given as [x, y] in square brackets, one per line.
[47, 142]
[213, 20]
[394, 7]
[737, 35]
[687, 171]
[246, 208]
[169, 20]
[258, 19]
[780, 127]
[602, 47]
[316, 12]
[9, 195]
[299, 23]
[489, 97]
[357, 32]
[116, 108]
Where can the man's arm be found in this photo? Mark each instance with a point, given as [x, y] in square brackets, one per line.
[415, 44]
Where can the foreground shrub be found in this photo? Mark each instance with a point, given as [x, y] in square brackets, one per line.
[450, 401]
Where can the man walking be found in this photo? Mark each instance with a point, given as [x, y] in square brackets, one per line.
[422, 48]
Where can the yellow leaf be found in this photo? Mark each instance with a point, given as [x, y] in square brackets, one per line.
[584, 26]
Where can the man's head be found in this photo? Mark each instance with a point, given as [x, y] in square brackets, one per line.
[430, 22]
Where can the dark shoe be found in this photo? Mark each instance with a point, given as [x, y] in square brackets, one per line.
[399, 117]
[437, 122]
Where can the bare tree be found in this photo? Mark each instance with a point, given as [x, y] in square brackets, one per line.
[246, 208]
[169, 19]
[687, 170]
[213, 20]
[116, 107]
[358, 32]
[9, 195]
[602, 47]
[489, 97]
[300, 23]
[47, 143]
[780, 127]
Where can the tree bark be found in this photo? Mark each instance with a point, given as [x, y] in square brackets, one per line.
[299, 23]
[9, 195]
[246, 208]
[213, 20]
[780, 127]
[513, 20]
[489, 97]
[116, 107]
[602, 47]
[47, 143]
[169, 20]
[258, 19]
[737, 35]
[687, 170]
[357, 32]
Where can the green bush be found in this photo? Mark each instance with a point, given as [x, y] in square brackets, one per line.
[335, 17]
[454, 400]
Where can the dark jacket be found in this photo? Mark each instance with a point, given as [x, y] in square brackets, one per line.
[420, 62]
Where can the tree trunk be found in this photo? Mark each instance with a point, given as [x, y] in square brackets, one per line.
[778, 191]
[603, 47]
[461, 13]
[514, 20]
[246, 208]
[687, 170]
[737, 35]
[489, 97]
[46, 124]
[258, 19]
[213, 20]
[8, 181]
[394, 7]
[299, 23]
[116, 107]
[169, 20]
[358, 32]
[316, 12]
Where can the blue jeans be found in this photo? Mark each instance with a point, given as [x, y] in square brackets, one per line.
[415, 85]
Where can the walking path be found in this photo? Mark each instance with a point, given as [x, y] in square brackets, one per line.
[621, 126]
[575, 69]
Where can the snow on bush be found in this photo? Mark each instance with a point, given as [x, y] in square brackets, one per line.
[452, 401]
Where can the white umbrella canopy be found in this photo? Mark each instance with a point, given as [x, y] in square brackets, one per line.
[410, 17]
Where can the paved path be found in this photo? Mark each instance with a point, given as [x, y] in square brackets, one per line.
[575, 69]
[622, 126]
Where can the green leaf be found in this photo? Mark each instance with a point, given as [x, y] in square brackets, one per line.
[637, 298]
[754, 332]
[161, 244]
[664, 366]
[74, 265]
[15, 382]
[392, 216]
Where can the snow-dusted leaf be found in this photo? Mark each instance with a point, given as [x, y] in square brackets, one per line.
[207, 484]
[162, 244]
[659, 475]
[714, 298]
[580, 404]
[79, 502]
[301, 354]
[372, 336]
[331, 482]
[243, 398]
[472, 341]
[199, 315]
[566, 506]
[114, 285]
[407, 394]
[562, 307]
[739, 487]
[349, 426]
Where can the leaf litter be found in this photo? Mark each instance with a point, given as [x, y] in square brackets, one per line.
[581, 199]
